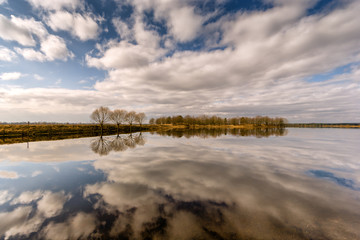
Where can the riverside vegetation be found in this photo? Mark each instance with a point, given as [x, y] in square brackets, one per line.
[119, 121]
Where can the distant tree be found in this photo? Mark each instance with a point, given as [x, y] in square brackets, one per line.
[101, 116]
[140, 117]
[152, 121]
[130, 117]
[118, 117]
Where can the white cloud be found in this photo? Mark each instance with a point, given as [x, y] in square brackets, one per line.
[12, 32]
[185, 25]
[51, 204]
[125, 55]
[56, 4]
[6, 54]
[54, 47]
[122, 28]
[5, 196]
[7, 76]
[31, 54]
[3, 1]
[78, 227]
[38, 77]
[82, 26]
[22, 30]
[27, 197]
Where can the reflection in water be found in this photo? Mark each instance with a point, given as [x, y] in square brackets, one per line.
[223, 188]
[103, 145]
[217, 132]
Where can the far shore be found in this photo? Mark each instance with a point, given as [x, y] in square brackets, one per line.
[17, 133]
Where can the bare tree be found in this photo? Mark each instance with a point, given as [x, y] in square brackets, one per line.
[130, 117]
[118, 117]
[140, 117]
[101, 116]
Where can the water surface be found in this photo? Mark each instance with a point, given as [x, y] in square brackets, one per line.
[304, 184]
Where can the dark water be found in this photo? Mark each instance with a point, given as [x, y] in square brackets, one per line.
[304, 184]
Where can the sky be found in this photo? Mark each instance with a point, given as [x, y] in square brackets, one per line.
[298, 59]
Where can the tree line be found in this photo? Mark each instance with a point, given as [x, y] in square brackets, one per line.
[103, 115]
[215, 120]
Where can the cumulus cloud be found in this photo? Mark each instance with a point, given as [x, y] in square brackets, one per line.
[78, 227]
[123, 29]
[52, 204]
[6, 54]
[252, 66]
[38, 77]
[27, 197]
[11, 30]
[183, 22]
[56, 4]
[5, 196]
[31, 54]
[7, 76]
[54, 48]
[82, 26]
[22, 30]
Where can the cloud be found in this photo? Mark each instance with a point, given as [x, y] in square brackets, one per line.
[11, 30]
[5, 196]
[22, 30]
[14, 219]
[38, 77]
[78, 227]
[31, 54]
[124, 55]
[123, 29]
[184, 24]
[27, 197]
[3, 1]
[6, 54]
[250, 66]
[54, 48]
[7, 76]
[51, 204]
[56, 4]
[82, 26]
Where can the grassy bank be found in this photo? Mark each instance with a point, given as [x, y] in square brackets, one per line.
[13, 133]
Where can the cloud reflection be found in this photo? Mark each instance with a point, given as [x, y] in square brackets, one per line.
[189, 188]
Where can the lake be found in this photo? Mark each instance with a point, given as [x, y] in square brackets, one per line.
[228, 184]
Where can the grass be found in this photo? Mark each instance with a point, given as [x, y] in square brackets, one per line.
[13, 133]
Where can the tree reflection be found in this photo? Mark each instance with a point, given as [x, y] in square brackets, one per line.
[104, 145]
[217, 132]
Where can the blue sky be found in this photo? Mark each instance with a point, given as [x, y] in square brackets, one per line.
[297, 59]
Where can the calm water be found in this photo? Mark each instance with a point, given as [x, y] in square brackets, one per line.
[302, 185]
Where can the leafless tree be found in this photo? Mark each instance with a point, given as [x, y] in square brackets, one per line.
[101, 116]
[130, 117]
[140, 117]
[118, 117]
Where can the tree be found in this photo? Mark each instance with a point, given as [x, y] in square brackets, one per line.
[140, 117]
[152, 121]
[130, 117]
[118, 117]
[101, 116]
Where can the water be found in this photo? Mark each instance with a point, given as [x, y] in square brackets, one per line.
[304, 184]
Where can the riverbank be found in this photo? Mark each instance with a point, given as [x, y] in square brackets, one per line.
[17, 133]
